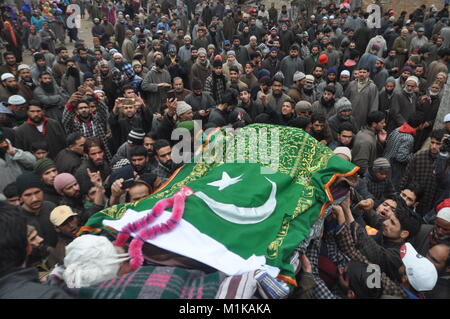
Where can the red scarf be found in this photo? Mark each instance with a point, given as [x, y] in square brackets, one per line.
[406, 128]
[44, 121]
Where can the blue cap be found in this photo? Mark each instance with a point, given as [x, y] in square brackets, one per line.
[227, 42]
[273, 48]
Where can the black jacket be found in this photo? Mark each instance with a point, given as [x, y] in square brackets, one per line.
[27, 134]
[42, 223]
[68, 161]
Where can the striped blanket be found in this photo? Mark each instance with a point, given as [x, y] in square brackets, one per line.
[153, 282]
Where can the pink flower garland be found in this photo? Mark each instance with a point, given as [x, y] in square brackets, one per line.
[145, 232]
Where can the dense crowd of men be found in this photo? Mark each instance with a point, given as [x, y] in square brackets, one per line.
[84, 129]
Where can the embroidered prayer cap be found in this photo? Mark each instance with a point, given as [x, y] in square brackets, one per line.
[16, 100]
[6, 76]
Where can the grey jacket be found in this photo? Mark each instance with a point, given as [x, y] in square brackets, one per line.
[364, 151]
[24, 284]
[156, 96]
[13, 166]
[363, 102]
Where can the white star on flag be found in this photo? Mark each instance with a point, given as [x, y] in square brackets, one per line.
[225, 181]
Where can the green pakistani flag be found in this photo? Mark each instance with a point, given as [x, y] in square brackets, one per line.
[259, 196]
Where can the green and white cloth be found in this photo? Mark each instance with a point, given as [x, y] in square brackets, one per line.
[241, 218]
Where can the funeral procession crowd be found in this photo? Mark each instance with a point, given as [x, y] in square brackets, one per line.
[86, 123]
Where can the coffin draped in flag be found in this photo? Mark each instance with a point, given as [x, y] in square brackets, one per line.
[256, 195]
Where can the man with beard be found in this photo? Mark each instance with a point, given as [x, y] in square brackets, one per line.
[71, 79]
[9, 87]
[421, 171]
[102, 74]
[201, 41]
[343, 115]
[229, 26]
[40, 128]
[78, 117]
[363, 94]
[60, 65]
[98, 31]
[248, 77]
[364, 150]
[403, 104]
[50, 96]
[291, 64]
[428, 105]
[216, 83]
[11, 64]
[277, 97]
[272, 62]
[234, 81]
[46, 169]
[312, 60]
[48, 36]
[202, 68]
[156, 84]
[320, 129]
[231, 62]
[434, 234]
[109, 30]
[95, 161]
[67, 186]
[34, 208]
[128, 47]
[253, 108]
[326, 103]
[139, 164]
[241, 52]
[26, 84]
[178, 89]
[405, 73]
[39, 66]
[331, 80]
[37, 258]
[112, 86]
[296, 90]
[13, 161]
[166, 166]
[69, 159]
[185, 51]
[141, 48]
[119, 30]
[67, 225]
[385, 96]
[199, 100]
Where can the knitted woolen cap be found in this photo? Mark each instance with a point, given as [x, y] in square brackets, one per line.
[136, 137]
[62, 180]
[26, 181]
[43, 165]
[381, 164]
[343, 104]
[183, 107]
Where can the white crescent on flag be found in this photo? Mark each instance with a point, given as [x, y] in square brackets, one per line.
[242, 215]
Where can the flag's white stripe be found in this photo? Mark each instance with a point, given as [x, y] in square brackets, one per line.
[188, 241]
